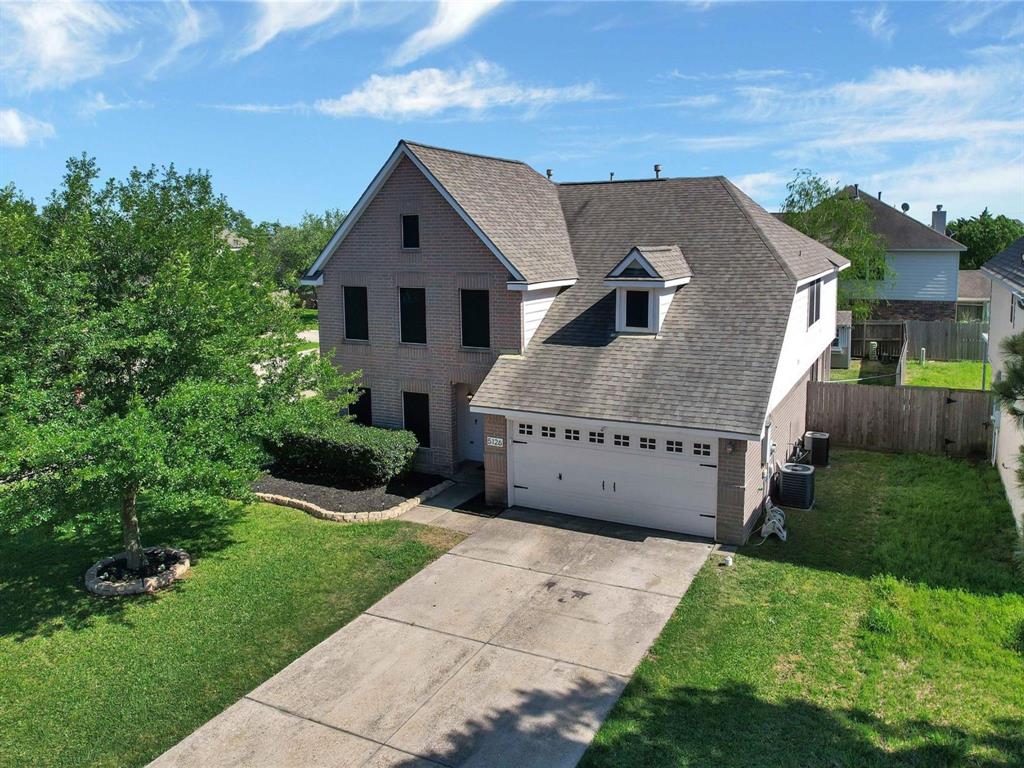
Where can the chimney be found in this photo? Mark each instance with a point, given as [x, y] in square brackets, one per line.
[879, 195]
[657, 171]
[550, 174]
[611, 175]
[939, 220]
[856, 191]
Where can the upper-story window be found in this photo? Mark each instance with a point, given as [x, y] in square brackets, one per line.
[638, 310]
[410, 231]
[813, 302]
[413, 309]
[357, 323]
[476, 319]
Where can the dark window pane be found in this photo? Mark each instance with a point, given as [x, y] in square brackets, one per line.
[414, 315]
[362, 409]
[637, 313]
[476, 319]
[356, 317]
[417, 416]
[410, 231]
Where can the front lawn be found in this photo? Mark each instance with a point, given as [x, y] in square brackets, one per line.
[310, 319]
[88, 681]
[888, 631]
[961, 374]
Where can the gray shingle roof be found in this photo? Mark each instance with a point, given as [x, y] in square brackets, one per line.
[713, 364]
[973, 285]
[1008, 264]
[902, 232]
[666, 260]
[515, 206]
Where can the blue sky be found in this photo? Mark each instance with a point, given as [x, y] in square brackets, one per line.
[294, 106]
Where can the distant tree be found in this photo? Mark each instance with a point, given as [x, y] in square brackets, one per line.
[140, 353]
[843, 223]
[294, 248]
[984, 235]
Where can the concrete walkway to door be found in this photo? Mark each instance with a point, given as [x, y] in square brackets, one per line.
[509, 650]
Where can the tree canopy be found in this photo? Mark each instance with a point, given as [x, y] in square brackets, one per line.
[843, 223]
[139, 353]
[294, 248]
[984, 235]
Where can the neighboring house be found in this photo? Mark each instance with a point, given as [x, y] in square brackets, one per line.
[840, 352]
[925, 264]
[973, 295]
[630, 350]
[1006, 270]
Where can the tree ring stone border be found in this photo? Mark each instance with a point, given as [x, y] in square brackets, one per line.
[143, 586]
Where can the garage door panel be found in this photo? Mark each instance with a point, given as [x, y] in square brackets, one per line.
[656, 489]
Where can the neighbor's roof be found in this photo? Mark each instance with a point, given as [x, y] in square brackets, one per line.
[667, 261]
[1008, 264]
[513, 204]
[903, 232]
[972, 285]
[844, 317]
[713, 364]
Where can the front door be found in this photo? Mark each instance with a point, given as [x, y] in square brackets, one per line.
[470, 427]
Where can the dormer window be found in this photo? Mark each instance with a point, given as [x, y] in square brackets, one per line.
[645, 282]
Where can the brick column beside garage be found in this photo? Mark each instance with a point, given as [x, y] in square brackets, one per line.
[495, 461]
[737, 461]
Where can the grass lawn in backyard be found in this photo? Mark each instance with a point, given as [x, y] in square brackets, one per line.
[887, 631]
[91, 681]
[873, 372]
[960, 374]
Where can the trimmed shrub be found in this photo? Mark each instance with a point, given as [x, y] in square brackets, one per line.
[358, 456]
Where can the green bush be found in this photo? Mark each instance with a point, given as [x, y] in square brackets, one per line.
[355, 455]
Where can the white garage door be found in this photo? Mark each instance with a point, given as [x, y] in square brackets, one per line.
[660, 481]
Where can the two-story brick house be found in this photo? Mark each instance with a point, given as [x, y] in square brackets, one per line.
[634, 351]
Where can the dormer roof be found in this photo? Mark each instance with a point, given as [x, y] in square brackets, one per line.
[661, 263]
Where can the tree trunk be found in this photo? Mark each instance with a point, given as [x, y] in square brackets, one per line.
[130, 530]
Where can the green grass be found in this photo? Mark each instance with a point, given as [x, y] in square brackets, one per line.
[963, 374]
[871, 372]
[888, 631]
[88, 681]
[309, 318]
[307, 345]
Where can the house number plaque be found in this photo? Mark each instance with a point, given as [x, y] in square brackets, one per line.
[496, 442]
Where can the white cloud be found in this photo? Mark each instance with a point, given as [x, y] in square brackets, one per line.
[452, 20]
[740, 75]
[264, 109]
[969, 15]
[479, 87]
[763, 184]
[876, 22]
[188, 27]
[276, 18]
[51, 45]
[97, 102]
[19, 130]
[694, 102]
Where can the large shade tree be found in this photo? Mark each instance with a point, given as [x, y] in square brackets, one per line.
[840, 220]
[984, 235]
[292, 248]
[139, 353]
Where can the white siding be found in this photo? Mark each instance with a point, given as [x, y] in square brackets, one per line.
[536, 304]
[803, 345]
[665, 296]
[1009, 440]
[921, 276]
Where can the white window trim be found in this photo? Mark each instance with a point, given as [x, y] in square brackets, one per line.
[620, 311]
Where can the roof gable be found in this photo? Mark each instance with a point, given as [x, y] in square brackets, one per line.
[903, 232]
[1008, 264]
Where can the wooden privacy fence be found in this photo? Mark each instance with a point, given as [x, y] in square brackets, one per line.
[949, 422]
[888, 334]
[946, 339]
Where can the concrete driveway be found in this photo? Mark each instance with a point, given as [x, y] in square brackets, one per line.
[509, 650]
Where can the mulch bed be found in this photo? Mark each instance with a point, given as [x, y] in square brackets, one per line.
[334, 496]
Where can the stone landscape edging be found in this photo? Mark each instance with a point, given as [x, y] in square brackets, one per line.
[356, 517]
[143, 586]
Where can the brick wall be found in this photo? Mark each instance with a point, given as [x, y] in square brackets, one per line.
[450, 258]
[913, 310]
[495, 461]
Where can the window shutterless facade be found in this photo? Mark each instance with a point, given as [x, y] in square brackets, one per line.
[357, 323]
[813, 302]
[410, 232]
[638, 310]
[416, 416]
[476, 318]
[413, 309]
[361, 410]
